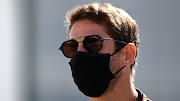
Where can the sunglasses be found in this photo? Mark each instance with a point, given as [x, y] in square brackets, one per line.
[92, 43]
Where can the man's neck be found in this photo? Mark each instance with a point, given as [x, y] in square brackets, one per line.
[124, 90]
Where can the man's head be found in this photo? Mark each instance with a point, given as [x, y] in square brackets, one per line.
[103, 41]
[115, 23]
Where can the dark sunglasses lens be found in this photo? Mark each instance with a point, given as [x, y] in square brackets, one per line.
[92, 43]
[69, 48]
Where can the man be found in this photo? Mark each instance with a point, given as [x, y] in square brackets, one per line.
[103, 48]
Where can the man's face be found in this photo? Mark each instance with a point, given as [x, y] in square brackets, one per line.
[87, 27]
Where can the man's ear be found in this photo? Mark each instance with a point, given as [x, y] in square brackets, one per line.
[130, 53]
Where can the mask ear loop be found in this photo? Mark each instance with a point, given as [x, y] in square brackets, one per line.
[118, 49]
[123, 66]
[119, 70]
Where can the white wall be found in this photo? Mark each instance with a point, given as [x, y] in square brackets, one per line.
[16, 51]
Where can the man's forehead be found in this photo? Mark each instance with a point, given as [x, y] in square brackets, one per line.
[79, 38]
[86, 27]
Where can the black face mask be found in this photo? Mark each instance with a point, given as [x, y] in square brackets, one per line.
[91, 72]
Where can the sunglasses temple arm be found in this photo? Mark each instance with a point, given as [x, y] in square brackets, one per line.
[115, 40]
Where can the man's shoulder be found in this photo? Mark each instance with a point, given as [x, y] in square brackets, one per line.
[142, 96]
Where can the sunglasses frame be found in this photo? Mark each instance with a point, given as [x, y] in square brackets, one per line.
[85, 37]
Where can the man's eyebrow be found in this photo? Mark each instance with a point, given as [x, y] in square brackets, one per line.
[79, 38]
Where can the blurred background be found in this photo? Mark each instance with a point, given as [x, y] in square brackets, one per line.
[33, 69]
